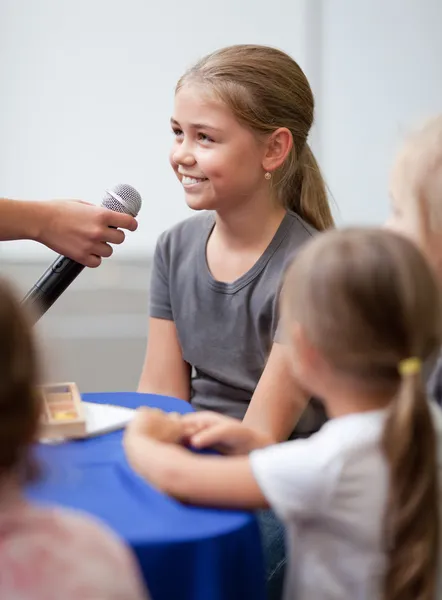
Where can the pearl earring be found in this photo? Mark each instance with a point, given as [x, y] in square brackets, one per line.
[268, 176]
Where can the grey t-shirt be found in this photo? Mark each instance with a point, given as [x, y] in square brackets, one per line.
[435, 381]
[225, 330]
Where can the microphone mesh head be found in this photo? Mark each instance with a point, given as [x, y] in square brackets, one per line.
[123, 198]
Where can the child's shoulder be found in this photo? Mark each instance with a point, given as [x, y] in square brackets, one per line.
[292, 235]
[42, 544]
[35, 525]
[299, 230]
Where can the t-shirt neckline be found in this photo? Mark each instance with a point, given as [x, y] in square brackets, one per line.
[232, 287]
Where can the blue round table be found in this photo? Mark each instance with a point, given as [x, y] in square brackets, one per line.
[184, 552]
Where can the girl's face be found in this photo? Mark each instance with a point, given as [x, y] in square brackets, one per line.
[218, 161]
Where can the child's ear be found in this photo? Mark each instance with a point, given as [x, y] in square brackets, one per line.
[278, 146]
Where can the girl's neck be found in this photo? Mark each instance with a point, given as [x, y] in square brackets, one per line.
[347, 400]
[249, 225]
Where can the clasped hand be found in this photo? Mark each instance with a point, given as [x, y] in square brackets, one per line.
[199, 430]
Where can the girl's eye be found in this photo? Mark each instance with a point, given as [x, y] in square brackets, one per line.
[204, 138]
[177, 132]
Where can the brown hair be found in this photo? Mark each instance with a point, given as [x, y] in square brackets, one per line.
[19, 400]
[367, 299]
[266, 89]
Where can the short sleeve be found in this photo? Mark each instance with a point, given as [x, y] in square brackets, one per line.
[296, 477]
[160, 306]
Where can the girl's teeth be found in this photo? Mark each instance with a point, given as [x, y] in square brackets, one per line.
[191, 180]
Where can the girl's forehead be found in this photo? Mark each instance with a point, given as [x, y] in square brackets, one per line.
[194, 98]
[197, 107]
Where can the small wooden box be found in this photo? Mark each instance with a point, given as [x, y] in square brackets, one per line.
[63, 412]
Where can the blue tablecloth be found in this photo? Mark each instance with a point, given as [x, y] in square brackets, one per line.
[184, 552]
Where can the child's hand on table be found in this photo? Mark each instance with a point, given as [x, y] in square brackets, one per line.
[208, 429]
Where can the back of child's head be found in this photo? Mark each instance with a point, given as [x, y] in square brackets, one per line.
[19, 402]
[419, 167]
[266, 89]
[368, 301]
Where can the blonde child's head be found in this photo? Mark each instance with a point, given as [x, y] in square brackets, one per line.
[242, 119]
[416, 190]
[361, 310]
[20, 406]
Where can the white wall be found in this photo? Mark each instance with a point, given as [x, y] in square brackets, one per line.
[87, 92]
[381, 72]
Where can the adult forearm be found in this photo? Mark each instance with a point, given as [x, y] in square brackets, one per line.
[21, 219]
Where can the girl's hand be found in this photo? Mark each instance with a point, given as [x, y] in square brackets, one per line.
[156, 424]
[208, 429]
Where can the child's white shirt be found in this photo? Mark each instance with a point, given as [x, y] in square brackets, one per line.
[331, 492]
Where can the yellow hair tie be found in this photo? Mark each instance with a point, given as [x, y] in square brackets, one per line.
[410, 366]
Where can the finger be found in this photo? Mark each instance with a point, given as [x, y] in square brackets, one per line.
[208, 438]
[148, 410]
[190, 429]
[203, 417]
[120, 220]
[175, 416]
[102, 249]
[92, 261]
[113, 236]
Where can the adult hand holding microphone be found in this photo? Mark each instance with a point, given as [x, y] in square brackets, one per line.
[82, 231]
[76, 229]
[119, 208]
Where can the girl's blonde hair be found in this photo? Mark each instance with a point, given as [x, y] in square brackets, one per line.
[20, 403]
[266, 89]
[420, 162]
[367, 300]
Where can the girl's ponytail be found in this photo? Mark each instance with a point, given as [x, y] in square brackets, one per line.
[412, 519]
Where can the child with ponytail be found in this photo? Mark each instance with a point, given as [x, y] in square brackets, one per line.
[361, 498]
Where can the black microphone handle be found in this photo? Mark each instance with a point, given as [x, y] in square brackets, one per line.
[52, 284]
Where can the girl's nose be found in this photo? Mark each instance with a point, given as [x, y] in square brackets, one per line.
[182, 155]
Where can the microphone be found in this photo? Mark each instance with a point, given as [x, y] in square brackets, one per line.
[122, 198]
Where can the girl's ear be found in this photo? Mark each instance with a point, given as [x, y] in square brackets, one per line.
[278, 146]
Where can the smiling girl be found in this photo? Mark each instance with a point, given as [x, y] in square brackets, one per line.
[361, 498]
[241, 120]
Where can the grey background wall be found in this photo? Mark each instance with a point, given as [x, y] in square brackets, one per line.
[86, 96]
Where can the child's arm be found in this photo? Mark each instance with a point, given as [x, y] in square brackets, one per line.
[278, 401]
[164, 372]
[210, 480]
